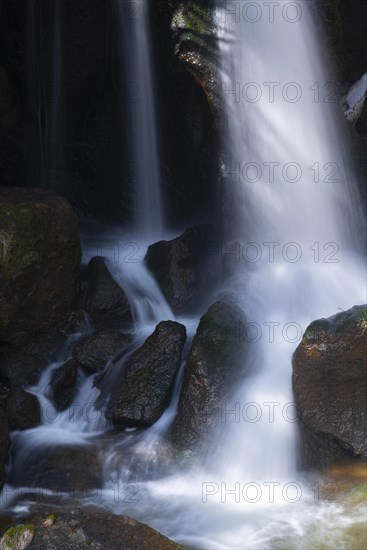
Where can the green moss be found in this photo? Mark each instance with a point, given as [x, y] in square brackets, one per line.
[23, 236]
[191, 17]
[52, 516]
[13, 535]
[309, 335]
[195, 24]
[362, 315]
[355, 536]
[359, 493]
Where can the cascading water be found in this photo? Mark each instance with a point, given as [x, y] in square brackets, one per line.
[135, 49]
[76, 426]
[295, 257]
[296, 218]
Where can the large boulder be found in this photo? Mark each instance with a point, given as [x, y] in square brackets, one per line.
[186, 268]
[20, 369]
[330, 386]
[63, 469]
[4, 445]
[22, 410]
[94, 352]
[92, 530]
[216, 362]
[106, 302]
[148, 378]
[39, 266]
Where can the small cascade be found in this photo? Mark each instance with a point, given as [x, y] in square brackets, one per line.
[294, 229]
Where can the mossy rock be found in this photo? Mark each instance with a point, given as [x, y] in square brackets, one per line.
[358, 495]
[39, 264]
[194, 28]
[216, 362]
[17, 538]
[88, 529]
[195, 23]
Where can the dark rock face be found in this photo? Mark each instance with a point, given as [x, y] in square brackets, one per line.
[22, 410]
[216, 362]
[11, 127]
[186, 268]
[20, 369]
[351, 45]
[93, 530]
[63, 384]
[345, 25]
[94, 352]
[185, 65]
[69, 469]
[195, 34]
[39, 266]
[149, 377]
[91, 120]
[4, 445]
[330, 384]
[106, 302]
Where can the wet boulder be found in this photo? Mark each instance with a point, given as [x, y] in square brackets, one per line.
[187, 268]
[194, 30]
[148, 378]
[22, 410]
[18, 537]
[63, 384]
[70, 469]
[215, 365]
[330, 387]
[94, 352]
[39, 266]
[106, 302]
[94, 530]
[20, 369]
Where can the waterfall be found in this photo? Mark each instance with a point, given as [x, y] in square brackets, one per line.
[73, 426]
[294, 255]
[296, 218]
[135, 48]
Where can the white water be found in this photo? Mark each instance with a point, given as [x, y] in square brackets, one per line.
[193, 507]
[275, 144]
[228, 503]
[133, 25]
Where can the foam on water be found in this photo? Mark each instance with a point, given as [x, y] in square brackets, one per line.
[247, 492]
